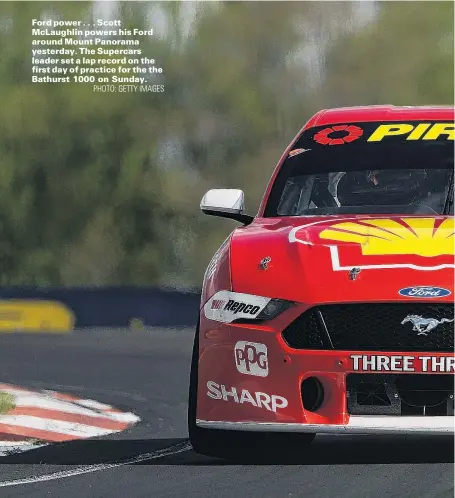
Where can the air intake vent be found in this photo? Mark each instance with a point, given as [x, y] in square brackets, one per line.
[375, 327]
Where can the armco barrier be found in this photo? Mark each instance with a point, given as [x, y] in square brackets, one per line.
[116, 306]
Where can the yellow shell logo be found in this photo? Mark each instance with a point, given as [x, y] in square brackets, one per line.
[419, 236]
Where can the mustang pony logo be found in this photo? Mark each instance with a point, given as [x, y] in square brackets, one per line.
[424, 325]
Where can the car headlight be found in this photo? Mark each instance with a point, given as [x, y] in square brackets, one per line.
[228, 307]
[274, 308]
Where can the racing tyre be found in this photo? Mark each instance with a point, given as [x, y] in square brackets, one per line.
[237, 445]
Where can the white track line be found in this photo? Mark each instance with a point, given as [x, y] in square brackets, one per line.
[90, 403]
[5, 388]
[82, 407]
[58, 426]
[172, 450]
[127, 417]
[40, 401]
[85, 407]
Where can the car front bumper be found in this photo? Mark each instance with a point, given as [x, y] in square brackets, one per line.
[235, 402]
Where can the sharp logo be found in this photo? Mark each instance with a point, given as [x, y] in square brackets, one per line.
[260, 400]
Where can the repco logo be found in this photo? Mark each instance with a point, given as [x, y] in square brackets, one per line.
[237, 307]
[251, 358]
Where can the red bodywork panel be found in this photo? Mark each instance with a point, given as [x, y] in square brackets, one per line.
[310, 265]
[291, 277]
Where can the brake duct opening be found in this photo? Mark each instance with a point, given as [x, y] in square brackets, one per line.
[312, 392]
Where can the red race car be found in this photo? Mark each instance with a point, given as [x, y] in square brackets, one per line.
[331, 310]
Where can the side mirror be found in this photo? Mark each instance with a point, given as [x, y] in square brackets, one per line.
[226, 203]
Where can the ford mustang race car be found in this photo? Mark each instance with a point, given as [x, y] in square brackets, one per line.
[331, 310]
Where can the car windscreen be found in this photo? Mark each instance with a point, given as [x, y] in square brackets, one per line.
[395, 168]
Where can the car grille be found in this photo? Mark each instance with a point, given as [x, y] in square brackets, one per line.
[372, 327]
[402, 394]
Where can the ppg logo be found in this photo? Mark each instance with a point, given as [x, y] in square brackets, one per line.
[251, 358]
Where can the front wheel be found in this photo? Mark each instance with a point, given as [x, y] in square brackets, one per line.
[236, 445]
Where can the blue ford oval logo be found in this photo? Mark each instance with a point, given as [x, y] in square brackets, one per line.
[424, 291]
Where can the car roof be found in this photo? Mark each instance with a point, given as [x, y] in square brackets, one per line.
[372, 113]
[381, 113]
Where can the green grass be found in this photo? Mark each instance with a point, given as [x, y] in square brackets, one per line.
[6, 402]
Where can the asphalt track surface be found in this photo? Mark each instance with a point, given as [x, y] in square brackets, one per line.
[147, 372]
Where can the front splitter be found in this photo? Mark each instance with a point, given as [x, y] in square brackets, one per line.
[356, 425]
